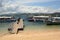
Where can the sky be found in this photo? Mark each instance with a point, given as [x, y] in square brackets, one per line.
[30, 6]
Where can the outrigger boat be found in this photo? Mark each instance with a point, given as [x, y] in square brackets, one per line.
[7, 19]
[30, 19]
[53, 21]
[38, 18]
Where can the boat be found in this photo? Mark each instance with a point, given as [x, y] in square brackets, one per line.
[39, 18]
[53, 21]
[7, 19]
[30, 19]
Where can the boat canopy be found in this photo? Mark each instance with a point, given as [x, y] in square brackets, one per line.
[41, 16]
[56, 17]
[5, 17]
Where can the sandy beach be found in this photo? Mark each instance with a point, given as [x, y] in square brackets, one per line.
[33, 35]
[41, 34]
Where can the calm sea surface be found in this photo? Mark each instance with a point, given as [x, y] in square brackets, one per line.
[28, 26]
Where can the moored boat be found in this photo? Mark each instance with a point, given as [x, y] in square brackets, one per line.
[7, 19]
[30, 19]
[53, 21]
[38, 18]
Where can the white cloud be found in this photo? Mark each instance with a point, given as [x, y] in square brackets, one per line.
[34, 9]
[20, 6]
[14, 3]
[57, 10]
[29, 9]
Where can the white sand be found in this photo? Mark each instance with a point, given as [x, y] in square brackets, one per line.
[34, 35]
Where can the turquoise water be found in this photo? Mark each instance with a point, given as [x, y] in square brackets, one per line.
[28, 26]
[39, 26]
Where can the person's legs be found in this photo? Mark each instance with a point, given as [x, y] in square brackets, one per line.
[17, 31]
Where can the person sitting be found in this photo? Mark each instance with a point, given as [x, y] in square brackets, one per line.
[16, 26]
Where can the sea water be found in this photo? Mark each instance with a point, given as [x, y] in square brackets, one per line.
[4, 27]
[28, 26]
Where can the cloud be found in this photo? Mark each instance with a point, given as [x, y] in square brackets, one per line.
[34, 9]
[20, 6]
[29, 9]
[22, 2]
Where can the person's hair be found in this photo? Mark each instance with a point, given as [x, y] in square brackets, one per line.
[18, 20]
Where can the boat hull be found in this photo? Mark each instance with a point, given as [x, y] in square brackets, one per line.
[30, 20]
[53, 23]
[4, 21]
